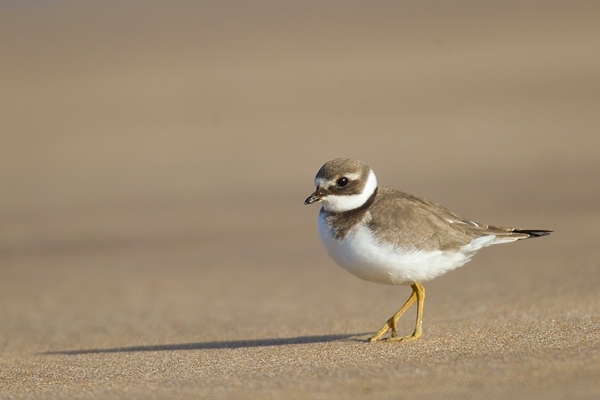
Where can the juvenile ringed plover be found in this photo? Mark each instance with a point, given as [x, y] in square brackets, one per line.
[386, 236]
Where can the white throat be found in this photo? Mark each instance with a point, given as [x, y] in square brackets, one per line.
[333, 203]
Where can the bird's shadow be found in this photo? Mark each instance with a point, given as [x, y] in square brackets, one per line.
[229, 344]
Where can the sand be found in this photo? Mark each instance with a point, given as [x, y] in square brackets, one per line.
[154, 162]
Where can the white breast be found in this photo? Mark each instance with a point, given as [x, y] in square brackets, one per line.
[364, 256]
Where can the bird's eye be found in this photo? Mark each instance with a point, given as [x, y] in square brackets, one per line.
[342, 181]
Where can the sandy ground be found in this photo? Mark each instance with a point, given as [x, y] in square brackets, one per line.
[154, 160]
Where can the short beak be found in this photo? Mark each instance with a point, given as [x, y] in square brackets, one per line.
[316, 196]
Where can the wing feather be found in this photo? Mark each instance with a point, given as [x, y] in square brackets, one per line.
[414, 222]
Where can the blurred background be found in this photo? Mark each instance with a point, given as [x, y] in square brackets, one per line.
[152, 149]
[155, 156]
[128, 105]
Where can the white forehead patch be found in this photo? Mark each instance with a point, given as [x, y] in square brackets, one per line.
[333, 203]
[321, 182]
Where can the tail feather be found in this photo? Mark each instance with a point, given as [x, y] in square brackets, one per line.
[506, 235]
[531, 233]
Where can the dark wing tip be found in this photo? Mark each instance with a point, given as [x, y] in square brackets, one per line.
[533, 232]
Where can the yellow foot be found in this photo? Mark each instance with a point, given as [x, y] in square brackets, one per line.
[418, 295]
[393, 337]
[410, 338]
[390, 324]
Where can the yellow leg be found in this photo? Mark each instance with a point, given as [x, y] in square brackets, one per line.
[417, 294]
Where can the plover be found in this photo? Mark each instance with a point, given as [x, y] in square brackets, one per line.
[386, 236]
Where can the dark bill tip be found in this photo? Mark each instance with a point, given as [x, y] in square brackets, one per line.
[312, 198]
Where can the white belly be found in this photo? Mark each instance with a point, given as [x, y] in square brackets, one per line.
[364, 256]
